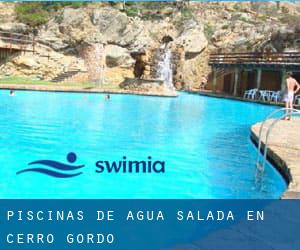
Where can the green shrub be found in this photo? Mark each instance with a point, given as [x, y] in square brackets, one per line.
[148, 10]
[32, 14]
[208, 31]
[225, 27]
[238, 7]
[284, 10]
[187, 13]
[38, 13]
[54, 6]
[132, 12]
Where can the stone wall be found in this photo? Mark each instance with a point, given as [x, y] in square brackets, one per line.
[94, 58]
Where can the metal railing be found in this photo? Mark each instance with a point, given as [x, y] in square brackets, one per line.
[11, 42]
[260, 166]
[17, 41]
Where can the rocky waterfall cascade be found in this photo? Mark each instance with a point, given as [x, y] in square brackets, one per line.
[164, 67]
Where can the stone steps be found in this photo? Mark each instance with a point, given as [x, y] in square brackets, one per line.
[65, 75]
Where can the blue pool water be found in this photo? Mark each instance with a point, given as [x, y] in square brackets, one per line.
[204, 142]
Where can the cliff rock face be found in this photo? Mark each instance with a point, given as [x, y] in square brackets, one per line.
[129, 42]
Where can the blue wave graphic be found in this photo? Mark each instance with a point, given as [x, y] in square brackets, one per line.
[56, 165]
[48, 172]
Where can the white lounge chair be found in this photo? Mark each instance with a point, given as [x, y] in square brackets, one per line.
[264, 95]
[246, 94]
[275, 96]
[250, 94]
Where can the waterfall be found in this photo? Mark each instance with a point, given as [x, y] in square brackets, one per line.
[165, 71]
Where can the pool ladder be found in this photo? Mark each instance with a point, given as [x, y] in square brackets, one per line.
[260, 165]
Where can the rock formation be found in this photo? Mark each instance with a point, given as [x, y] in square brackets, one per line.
[131, 41]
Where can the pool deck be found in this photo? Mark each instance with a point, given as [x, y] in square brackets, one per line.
[227, 96]
[283, 151]
[80, 89]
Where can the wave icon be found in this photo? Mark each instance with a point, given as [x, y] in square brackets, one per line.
[57, 169]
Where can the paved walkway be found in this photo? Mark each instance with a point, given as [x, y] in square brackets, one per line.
[284, 151]
[227, 96]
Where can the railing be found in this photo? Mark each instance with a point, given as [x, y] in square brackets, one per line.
[16, 41]
[260, 165]
[255, 58]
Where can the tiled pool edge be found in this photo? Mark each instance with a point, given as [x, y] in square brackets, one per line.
[289, 170]
[230, 97]
[72, 89]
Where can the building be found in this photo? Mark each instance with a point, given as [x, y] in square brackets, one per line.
[234, 73]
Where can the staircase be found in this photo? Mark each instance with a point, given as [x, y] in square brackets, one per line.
[65, 75]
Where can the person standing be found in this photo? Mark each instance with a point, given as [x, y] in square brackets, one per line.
[292, 88]
[203, 83]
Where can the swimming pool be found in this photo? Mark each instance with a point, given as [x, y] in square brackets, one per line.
[204, 142]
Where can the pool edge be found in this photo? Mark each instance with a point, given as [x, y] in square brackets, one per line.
[281, 164]
[233, 98]
[61, 89]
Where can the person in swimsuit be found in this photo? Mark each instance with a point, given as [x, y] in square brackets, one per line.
[203, 83]
[292, 88]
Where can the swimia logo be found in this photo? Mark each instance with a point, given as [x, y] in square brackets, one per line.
[55, 168]
[61, 170]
